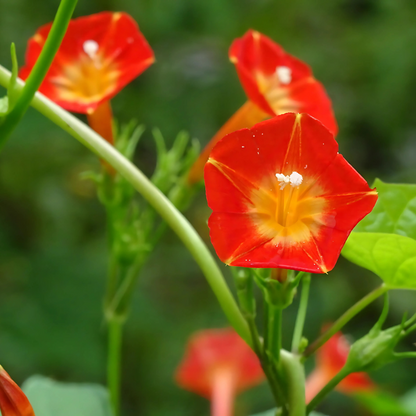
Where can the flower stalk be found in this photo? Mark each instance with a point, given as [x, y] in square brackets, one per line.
[345, 318]
[160, 202]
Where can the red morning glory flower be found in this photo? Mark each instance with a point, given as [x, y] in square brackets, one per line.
[330, 359]
[13, 401]
[218, 364]
[275, 83]
[282, 196]
[99, 55]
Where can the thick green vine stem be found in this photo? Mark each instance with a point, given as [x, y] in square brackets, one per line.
[295, 378]
[345, 318]
[59, 26]
[160, 202]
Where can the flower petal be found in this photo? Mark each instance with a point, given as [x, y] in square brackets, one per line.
[98, 56]
[278, 82]
[260, 221]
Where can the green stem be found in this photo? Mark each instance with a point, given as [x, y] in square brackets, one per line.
[115, 328]
[295, 379]
[300, 319]
[275, 328]
[160, 202]
[59, 26]
[327, 389]
[265, 363]
[345, 318]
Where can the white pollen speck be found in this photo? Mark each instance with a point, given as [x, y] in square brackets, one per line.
[284, 179]
[254, 135]
[242, 147]
[295, 179]
[305, 166]
[258, 153]
[90, 47]
[284, 74]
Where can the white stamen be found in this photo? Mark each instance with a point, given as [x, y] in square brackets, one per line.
[90, 48]
[284, 179]
[295, 179]
[284, 74]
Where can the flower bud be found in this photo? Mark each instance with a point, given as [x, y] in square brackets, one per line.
[377, 348]
[13, 401]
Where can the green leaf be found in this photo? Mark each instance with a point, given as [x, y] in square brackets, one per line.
[52, 398]
[408, 401]
[392, 257]
[394, 212]
[381, 403]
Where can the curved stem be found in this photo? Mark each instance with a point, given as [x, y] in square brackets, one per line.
[295, 378]
[345, 318]
[56, 34]
[154, 196]
[300, 319]
[327, 389]
[265, 363]
[115, 328]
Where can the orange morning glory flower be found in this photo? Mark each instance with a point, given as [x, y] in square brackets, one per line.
[218, 364]
[330, 359]
[282, 196]
[13, 401]
[99, 55]
[275, 83]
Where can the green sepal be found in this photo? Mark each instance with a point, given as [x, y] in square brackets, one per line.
[243, 279]
[277, 294]
[376, 349]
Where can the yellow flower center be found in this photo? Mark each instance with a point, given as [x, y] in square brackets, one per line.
[88, 79]
[287, 214]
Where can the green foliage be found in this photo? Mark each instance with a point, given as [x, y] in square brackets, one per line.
[51, 398]
[273, 412]
[381, 403]
[392, 257]
[7, 102]
[395, 211]
[408, 402]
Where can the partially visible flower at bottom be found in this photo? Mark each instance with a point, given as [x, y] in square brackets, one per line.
[217, 365]
[330, 359]
[13, 401]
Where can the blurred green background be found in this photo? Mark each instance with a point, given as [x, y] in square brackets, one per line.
[52, 229]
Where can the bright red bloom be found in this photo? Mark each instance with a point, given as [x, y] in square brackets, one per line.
[275, 83]
[217, 365]
[330, 359]
[98, 56]
[282, 196]
[13, 401]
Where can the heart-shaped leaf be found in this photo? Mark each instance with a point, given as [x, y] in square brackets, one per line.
[392, 257]
[394, 212]
[52, 398]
